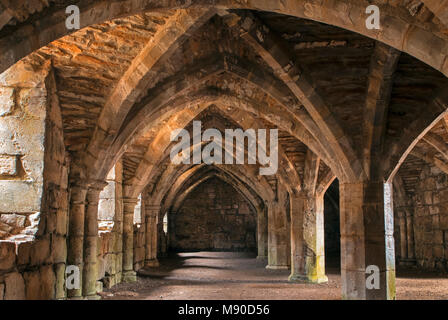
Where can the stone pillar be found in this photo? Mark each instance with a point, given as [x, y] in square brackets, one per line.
[367, 239]
[298, 272]
[152, 213]
[162, 239]
[75, 254]
[118, 223]
[278, 238]
[319, 275]
[407, 250]
[410, 237]
[128, 273]
[90, 271]
[403, 237]
[307, 239]
[262, 233]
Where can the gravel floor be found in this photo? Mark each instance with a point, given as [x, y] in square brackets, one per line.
[239, 276]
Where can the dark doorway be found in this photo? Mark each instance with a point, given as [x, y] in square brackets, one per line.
[332, 227]
[213, 217]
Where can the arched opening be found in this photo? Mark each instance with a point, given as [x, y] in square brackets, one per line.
[86, 175]
[165, 223]
[332, 228]
[213, 217]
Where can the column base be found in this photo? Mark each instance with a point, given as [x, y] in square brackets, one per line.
[298, 278]
[277, 267]
[129, 277]
[262, 257]
[76, 298]
[153, 263]
[93, 297]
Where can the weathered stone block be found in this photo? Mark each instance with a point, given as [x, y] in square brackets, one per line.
[59, 249]
[40, 252]
[7, 255]
[60, 280]
[33, 101]
[20, 196]
[110, 264]
[438, 238]
[443, 221]
[24, 252]
[8, 165]
[7, 101]
[428, 197]
[2, 291]
[6, 228]
[14, 220]
[48, 282]
[14, 286]
[32, 285]
[438, 251]
[61, 222]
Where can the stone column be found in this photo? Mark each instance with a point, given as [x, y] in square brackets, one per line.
[75, 248]
[307, 239]
[410, 236]
[403, 237]
[118, 224]
[278, 237]
[90, 271]
[262, 233]
[407, 238]
[298, 272]
[162, 239]
[128, 273]
[367, 239]
[152, 213]
[319, 275]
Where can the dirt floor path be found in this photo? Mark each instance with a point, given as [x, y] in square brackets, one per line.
[235, 276]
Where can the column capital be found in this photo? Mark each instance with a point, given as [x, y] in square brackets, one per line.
[97, 185]
[93, 193]
[82, 184]
[130, 201]
[154, 207]
[152, 210]
[302, 195]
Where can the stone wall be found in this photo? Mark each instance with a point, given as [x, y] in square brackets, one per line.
[110, 243]
[139, 246]
[431, 219]
[23, 115]
[109, 259]
[213, 217]
[106, 204]
[33, 186]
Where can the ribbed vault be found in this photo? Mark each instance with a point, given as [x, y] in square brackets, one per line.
[368, 107]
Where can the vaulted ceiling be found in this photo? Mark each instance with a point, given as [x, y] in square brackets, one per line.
[170, 67]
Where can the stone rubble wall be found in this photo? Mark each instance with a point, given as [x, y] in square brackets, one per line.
[33, 186]
[431, 220]
[106, 204]
[109, 259]
[213, 217]
[110, 242]
[34, 193]
[139, 246]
